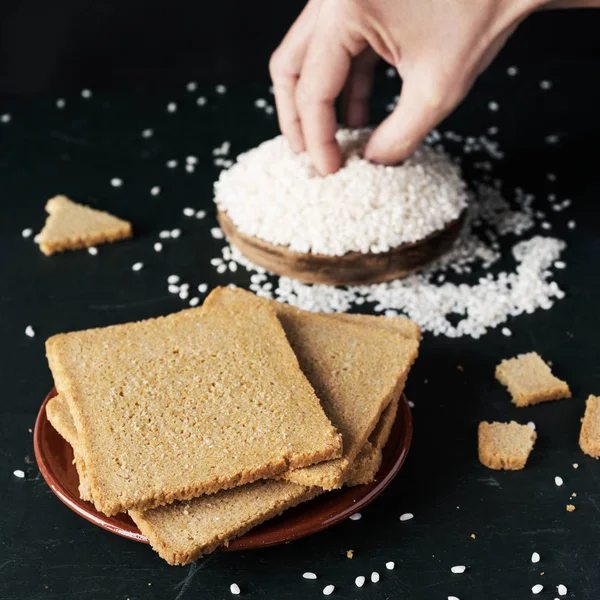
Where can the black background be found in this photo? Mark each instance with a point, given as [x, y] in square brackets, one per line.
[138, 57]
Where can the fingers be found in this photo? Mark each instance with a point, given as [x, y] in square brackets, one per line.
[355, 104]
[422, 105]
[324, 73]
[285, 66]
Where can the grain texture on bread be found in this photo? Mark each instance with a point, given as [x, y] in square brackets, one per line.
[164, 525]
[185, 531]
[589, 438]
[409, 329]
[368, 461]
[505, 446]
[338, 357]
[57, 412]
[181, 532]
[530, 381]
[71, 226]
[176, 407]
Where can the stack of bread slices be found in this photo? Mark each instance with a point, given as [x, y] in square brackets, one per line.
[207, 422]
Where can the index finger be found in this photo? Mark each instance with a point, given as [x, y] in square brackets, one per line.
[323, 75]
[285, 66]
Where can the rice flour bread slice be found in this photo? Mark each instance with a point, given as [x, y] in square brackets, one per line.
[181, 532]
[71, 226]
[589, 438]
[369, 458]
[338, 357]
[176, 407]
[505, 446]
[530, 381]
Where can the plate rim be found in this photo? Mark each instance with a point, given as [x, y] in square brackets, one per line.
[247, 541]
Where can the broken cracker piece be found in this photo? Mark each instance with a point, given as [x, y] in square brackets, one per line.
[71, 226]
[505, 446]
[530, 381]
[589, 438]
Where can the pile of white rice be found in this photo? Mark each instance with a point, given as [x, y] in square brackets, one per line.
[274, 194]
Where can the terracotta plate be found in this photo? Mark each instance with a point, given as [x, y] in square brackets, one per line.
[55, 459]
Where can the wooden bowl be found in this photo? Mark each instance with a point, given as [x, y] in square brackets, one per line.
[353, 268]
[54, 457]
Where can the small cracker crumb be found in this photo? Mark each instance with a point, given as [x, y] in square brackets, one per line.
[570, 507]
[473, 536]
[350, 554]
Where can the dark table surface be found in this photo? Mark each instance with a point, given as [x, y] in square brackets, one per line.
[46, 551]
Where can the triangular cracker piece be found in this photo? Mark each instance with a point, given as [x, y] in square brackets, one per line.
[71, 226]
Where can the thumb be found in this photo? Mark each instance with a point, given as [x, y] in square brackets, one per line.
[420, 108]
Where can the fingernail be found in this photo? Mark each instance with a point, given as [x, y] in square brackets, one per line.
[383, 164]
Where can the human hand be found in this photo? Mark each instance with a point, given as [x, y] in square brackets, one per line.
[438, 48]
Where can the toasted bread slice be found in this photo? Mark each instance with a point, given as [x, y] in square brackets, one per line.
[71, 226]
[356, 370]
[202, 400]
[161, 525]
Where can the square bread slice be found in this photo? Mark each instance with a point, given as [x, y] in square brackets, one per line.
[189, 404]
[589, 438]
[183, 531]
[71, 226]
[505, 445]
[530, 381]
[338, 357]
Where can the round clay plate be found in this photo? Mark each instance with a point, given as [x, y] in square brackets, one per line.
[55, 459]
